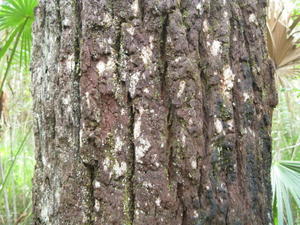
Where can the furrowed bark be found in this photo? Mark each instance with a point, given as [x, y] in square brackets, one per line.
[152, 112]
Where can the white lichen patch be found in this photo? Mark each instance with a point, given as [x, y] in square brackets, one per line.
[250, 131]
[134, 79]
[218, 126]
[195, 214]
[142, 148]
[119, 144]
[181, 88]
[135, 7]
[146, 55]
[66, 100]
[119, 169]
[169, 39]
[146, 90]
[151, 40]
[70, 63]
[199, 7]
[137, 128]
[155, 160]
[109, 41]
[194, 164]
[123, 112]
[178, 59]
[108, 66]
[97, 205]
[183, 139]
[228, 77]
[107, 19]
[45, 214]
[100, 67]
[130, 30]
[230, 124]
[87, 97]
[142, 144]
[106, 164]
[215, 48]
[205, 25]
[97, 184]
[44, 161]
[147, 184]
[157, 202]
[246, 96]
[252, 18]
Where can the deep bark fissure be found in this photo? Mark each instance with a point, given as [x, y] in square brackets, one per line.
[77, 71]
[131, 163]
[118, 48]
[59, 18]
[180, 198]
[165, 94]
[141, 4]
[163, 60]
[91, 169]
[202, 64]
[169, 146]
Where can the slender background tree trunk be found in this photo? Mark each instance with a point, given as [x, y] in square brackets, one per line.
[152, 112]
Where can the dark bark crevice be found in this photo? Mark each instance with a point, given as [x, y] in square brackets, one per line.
[131, 165]
[77, 73]
[202, 65]
[180, 192]
[141, 4]
[169, 146]
[59, 19]
[118, 49]
[91, 170]
[163, 61]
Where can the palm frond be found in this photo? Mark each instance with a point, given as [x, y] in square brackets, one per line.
[282, 41]
[16, 18]
[285, 177]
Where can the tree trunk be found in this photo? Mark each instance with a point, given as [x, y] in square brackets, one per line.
[152, 112]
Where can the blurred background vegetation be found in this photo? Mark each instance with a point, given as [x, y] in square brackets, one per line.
[16, 137]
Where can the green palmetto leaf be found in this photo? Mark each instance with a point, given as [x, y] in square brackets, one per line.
[20, 148]
[16, 18]
[285, 184]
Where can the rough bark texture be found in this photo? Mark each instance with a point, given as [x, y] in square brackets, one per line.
[152, 112]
